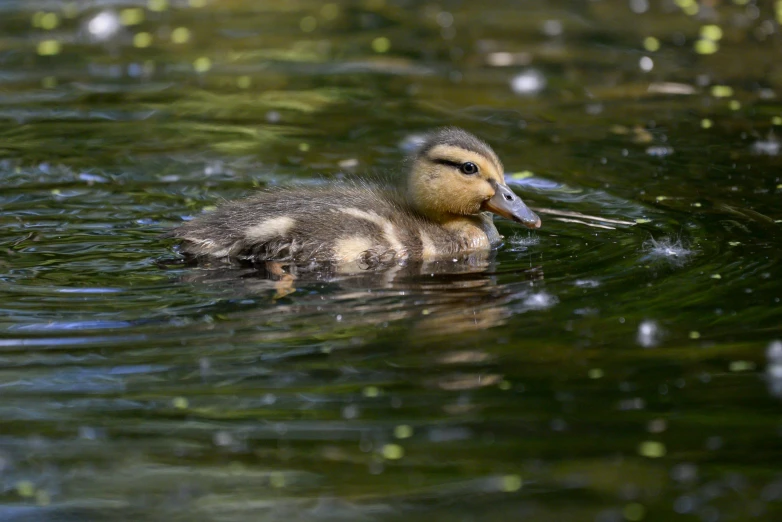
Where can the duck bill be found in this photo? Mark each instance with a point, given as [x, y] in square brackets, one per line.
[507, 204]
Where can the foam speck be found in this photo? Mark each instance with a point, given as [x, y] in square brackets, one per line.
[769, 147]
[519, 243]
[649, 334]
[669, 249]
[528, 82]
[540, 301]
[659, 152]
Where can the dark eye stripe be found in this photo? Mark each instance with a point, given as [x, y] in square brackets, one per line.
[441, 161]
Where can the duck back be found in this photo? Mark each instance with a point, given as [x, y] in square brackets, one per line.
[351, 222]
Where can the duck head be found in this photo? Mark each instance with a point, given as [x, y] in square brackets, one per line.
[455, 174]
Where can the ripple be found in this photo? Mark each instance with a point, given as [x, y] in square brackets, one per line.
[71, 325]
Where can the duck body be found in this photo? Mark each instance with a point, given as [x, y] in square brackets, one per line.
[353, 222]
[440, 211]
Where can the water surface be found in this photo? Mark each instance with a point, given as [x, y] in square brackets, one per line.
[619, 364]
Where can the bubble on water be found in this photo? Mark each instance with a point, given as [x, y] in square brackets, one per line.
[104, 25]
[639, 6]
[669, 249]
[540, 301]
[223, 438]
[660, 151]
[88, 433]
[350, 411]
[273, 117]
[92, 178]
[684, 472]
[552, 28]
[529, 82]
[213, 168]
[769, 147]
[500, 59]
[593, 109]
[649, 334]
[774, 368]
[412, 142]
[350, 163]
[774, 352]
[135, 70]
[444, 19]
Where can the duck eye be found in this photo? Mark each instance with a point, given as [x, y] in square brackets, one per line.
[469, 168]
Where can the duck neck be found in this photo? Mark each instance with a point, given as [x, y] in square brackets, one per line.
[473, 228]
[423, 202]
[472, 232]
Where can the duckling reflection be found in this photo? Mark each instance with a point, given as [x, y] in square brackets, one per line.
[437, 298]
[283, 277]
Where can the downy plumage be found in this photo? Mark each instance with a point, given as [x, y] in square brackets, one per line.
[454, 181]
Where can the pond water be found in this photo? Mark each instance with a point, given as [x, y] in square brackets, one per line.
[622, 363]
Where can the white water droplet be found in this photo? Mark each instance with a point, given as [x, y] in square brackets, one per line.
[104, 25]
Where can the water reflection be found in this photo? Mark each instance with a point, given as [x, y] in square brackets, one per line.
[449, 296]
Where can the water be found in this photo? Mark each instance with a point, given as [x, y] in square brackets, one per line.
[622, 366]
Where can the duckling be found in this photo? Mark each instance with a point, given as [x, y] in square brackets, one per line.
[443, 208]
